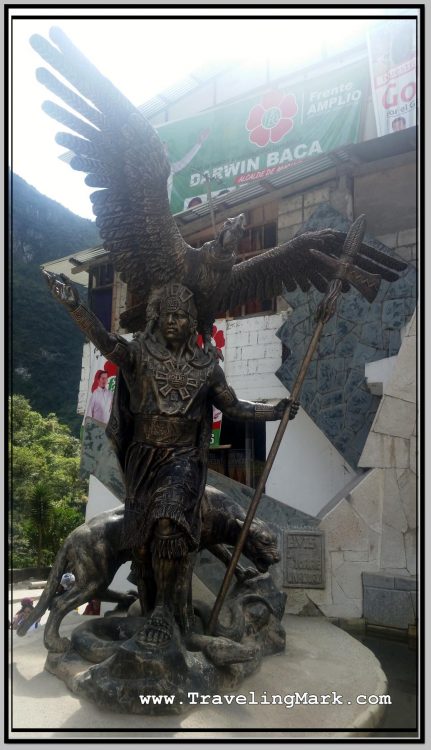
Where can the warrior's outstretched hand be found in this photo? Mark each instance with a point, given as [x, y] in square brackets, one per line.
[62, 289]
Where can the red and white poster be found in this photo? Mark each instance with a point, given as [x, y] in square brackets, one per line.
[392, 58]
[101, 387]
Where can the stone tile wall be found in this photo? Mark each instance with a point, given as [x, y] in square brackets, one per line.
[335, 393]
[389, 600]
[403, 243]
[371, 532]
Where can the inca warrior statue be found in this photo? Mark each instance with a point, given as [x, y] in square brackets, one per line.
[161, 427]
[161, 418]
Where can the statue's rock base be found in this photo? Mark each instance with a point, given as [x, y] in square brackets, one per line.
[118, 662]
[133, 676]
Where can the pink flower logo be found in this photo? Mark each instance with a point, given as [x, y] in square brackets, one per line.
[272, 119]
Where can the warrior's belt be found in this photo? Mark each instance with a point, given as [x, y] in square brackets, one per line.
[165, 432]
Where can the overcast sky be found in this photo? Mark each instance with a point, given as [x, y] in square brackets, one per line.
[141, 57]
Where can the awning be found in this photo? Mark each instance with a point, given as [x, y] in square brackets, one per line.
[77, 264]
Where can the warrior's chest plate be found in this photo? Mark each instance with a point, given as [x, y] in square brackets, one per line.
[177, 384]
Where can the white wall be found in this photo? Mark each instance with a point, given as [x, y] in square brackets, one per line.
[99, 498]
[308, 470]
[84, 384]
[391, 448]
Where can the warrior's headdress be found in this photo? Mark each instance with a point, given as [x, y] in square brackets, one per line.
[170, 298]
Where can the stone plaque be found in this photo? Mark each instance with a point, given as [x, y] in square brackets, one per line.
[303, 564]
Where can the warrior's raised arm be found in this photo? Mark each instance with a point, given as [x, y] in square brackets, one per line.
[113, 347]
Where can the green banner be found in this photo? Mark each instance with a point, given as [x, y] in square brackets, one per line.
[251, 139]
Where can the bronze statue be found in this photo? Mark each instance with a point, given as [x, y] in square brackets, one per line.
[161, 424]
[161, 417]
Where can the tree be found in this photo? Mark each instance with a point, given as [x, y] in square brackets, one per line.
[46, 493]
[40, 511]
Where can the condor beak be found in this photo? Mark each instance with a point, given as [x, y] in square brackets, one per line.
[238, 222]
[241, 220]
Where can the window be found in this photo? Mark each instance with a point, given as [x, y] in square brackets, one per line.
[101, 280]
[242, 451]
[254, 242]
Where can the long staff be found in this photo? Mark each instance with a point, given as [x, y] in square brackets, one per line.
[325, 311]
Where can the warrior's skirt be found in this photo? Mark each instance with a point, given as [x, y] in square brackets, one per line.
[162, 483]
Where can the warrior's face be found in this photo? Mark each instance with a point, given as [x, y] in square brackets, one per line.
[175, 325]
[177, 315]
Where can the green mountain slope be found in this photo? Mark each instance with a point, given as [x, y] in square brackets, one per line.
[45, 347]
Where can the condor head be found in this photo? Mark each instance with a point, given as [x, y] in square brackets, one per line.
[229, 235]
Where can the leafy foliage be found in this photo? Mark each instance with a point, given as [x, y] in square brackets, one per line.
[47, 348]
[47, 495]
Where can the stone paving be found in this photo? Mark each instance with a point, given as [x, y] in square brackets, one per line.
[319, 659]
